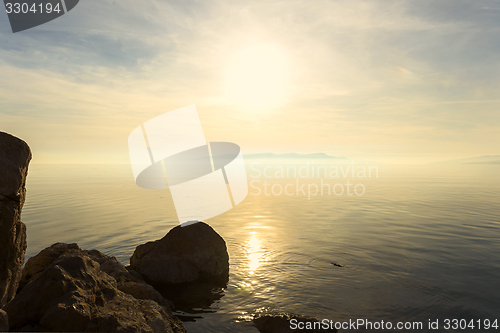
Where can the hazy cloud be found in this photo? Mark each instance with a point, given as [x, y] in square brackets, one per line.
[364, 75]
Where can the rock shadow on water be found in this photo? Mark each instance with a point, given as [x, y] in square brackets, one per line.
[193, 299]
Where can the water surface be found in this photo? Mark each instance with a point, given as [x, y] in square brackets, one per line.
[421, 243]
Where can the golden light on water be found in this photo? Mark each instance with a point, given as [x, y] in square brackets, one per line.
[254, 252]
[255, 255]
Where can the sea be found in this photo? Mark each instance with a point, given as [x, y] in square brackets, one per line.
[403, 245]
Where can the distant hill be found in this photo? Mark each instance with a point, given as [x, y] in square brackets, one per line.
[486, 159]
[490, 162]
[295, 156]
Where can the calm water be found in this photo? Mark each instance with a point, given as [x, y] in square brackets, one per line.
[421, 243]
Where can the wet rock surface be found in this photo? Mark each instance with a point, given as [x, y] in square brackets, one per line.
[15, 156]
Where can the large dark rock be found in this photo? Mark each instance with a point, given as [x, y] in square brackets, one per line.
[15, 156]
[185, 254]
[289, 323]
[67, 289]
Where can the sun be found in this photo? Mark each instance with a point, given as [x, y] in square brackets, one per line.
[258, 77]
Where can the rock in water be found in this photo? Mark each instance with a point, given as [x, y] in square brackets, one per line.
[289, 323]
[15, 156]
[185, 254]
[74, 292]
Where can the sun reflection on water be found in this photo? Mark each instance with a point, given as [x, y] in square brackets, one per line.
[254, 252]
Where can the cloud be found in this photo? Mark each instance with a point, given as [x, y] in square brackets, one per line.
[365, 72]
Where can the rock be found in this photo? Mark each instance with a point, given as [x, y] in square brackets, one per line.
[281, 323]
[15, 156]
[185, 254]
[75, 293]
[337, 264]
[129, 282]
[37, 264]
[4, 321]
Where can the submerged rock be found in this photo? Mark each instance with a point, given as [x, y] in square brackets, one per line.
[288, 323]
[15, 156]
[185, 254]
[67, 289]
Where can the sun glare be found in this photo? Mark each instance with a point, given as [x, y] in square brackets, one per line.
[257, 77]
[254, 253]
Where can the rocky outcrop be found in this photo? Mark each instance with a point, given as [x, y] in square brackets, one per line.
[4, 321]
[67, 289]
[185, 254]
[129, 282]
[15, 156]
[37, 264]
[289, 323]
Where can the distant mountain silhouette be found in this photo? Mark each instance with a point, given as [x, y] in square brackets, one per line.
[295, 156]
[486, 159]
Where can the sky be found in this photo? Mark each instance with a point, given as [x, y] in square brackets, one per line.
[403, 82]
